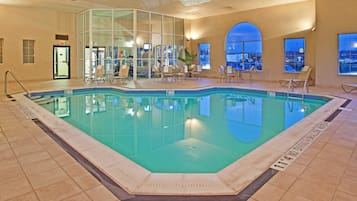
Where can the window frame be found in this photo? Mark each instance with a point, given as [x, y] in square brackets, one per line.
[351, 73]
[27, 50]
[296, 55]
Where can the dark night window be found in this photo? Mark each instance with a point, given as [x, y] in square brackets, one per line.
[244, 47]
[294, 54]
[347, 50]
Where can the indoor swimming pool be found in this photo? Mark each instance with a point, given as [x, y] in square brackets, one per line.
[179, 131]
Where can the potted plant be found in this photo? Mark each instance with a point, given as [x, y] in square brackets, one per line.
[188, 58]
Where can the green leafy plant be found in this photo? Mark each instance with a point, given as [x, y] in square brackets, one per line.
[189, 57]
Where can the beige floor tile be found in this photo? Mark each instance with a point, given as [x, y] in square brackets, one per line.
[79, 197]
[14, 189]
[6, 154]
[334, 152]
[348, 186]
[305, 159]
[252, 199]
[351, 173]
[58, 191]
[289, 196]
[317, 175]
[48, 177]
[295, 169]
[282, 180]
[65, 159]
[342, 196]
[40, 166]
[11, 174]
[27, 146]
[86, 181]
[27, 197]
[54, 150]
[313, 191]
[343, 141]
[100, 193]
[74, 170]
[8, 164]
[269, 191]
[33, 157]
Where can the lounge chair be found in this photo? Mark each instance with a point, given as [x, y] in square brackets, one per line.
[349, 87]
[123, 73]
[302, 80]
[99, 74]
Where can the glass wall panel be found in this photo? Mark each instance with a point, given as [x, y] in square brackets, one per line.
[179, 47]
[168, 50]
[156, 23]
[143, 44]
[179, 26]
[168, 25]
[111, 38]
[102, 19]
[142, 21]
[123, 20]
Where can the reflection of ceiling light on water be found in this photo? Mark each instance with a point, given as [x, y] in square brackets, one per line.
[147, 108]
[193, 2]
[131, 112]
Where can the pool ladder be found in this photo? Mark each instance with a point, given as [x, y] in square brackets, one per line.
[17, 81]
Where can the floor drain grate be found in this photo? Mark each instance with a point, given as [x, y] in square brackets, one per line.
[283, 162]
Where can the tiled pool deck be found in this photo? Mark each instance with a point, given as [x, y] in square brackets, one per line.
[34, 167]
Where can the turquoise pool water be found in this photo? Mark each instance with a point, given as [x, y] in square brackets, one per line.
[180, 131]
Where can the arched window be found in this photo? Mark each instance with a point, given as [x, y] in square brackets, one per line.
[244, 47]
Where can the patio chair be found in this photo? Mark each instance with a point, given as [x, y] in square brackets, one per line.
[230, 73]
[169, 73]
[99, 73]
[123, 73]
[348, 87]
[302, 80]
[195, 73]
[222, 73]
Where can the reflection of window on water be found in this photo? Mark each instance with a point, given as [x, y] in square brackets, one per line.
[61, 106]
[347, 49]
[294, 54]
[244, 117]
[205, 106]
[294, 111]
[95, 103]
[244, 47]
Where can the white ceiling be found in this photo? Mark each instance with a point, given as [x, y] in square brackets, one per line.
[168, 7]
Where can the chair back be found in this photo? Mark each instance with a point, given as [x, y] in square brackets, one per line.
[99, 71]
[305, 73]
[229, 70]
[221, 69]
[124, 71]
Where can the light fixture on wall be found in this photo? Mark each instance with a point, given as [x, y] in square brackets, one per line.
[188, 3]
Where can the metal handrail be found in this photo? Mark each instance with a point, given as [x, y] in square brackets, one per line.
[18, 81]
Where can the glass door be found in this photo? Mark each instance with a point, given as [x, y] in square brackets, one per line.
[61, 62]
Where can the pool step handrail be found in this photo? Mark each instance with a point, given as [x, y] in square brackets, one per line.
[17, 80]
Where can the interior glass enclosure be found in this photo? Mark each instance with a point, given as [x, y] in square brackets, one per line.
[142, 40]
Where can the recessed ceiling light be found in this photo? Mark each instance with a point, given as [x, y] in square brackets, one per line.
[193, 2]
